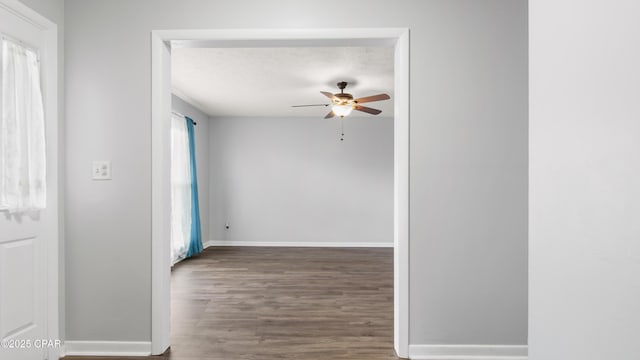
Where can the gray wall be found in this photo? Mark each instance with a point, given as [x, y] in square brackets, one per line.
[468, 157]
[202, 156]
[293, 180]
[468, 172]
[585, 193]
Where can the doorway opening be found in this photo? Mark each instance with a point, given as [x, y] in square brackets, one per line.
[161, 102]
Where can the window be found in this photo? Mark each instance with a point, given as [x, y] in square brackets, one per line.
[181, 196]
[22, 130]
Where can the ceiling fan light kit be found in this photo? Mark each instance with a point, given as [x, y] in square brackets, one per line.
[342, 110]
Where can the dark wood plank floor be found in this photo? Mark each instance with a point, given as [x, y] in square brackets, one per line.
[283, 303]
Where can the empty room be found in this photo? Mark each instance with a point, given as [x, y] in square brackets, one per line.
[295, 201]
[410, 179]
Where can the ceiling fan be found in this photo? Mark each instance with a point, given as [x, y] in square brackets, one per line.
[342, 103]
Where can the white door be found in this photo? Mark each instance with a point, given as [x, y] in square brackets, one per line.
[23, 246]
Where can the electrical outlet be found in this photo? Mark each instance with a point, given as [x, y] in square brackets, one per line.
[101, 170]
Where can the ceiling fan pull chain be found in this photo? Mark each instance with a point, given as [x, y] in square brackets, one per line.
[342, 129]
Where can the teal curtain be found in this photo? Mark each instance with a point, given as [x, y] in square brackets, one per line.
[195, 244]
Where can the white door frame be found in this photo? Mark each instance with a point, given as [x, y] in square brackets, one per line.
[49, 67]
[161, 111]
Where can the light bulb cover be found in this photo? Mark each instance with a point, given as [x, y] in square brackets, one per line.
[342, 110]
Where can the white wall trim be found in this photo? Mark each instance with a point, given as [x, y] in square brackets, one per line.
[107, 348]
[160, 109]
[160, 199]
[27, 14]
[401, 306]
[468, 352]
[296, 244]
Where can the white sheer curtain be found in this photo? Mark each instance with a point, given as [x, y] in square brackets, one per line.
[180, 189]
[22, 131]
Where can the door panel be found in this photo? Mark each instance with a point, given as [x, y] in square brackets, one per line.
[17, 292]
[22, 302]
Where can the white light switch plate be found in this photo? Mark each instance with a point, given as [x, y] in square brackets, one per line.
[102, 170]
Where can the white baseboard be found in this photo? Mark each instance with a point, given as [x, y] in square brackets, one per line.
[293, 244]
[107, 348]
[468, 352]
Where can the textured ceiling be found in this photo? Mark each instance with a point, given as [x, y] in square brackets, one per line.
[267, 81]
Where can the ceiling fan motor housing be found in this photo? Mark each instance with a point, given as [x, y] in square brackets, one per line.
[342, 99]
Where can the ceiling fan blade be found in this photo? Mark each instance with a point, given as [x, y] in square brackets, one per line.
[328, 94]
[372, 98]
[310, 105]
[330, 115]
[367, 110]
